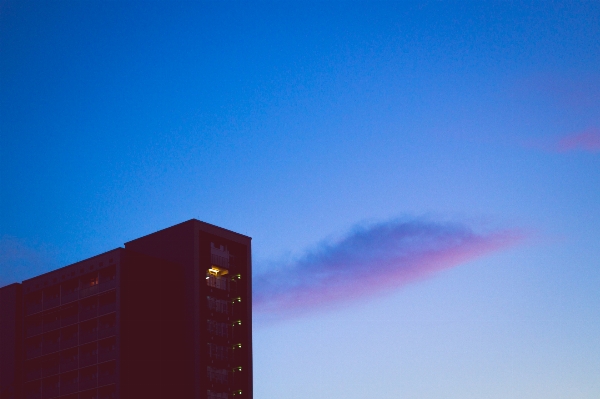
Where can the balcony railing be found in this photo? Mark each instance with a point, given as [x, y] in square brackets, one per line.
[87, 336]
[49, 392]
[33, 373]
[50, 347]
[107, 378]
[107, 308]
[221, 283]
[51, 324]
[68, 364]
[106, 355]
[68, 319]
[69, 386]
[69, 296]
[34, 307]
[33, 391]
[107, 392]
[86, 314]
[87, 360]
[107, 285]
[51, 302]
[33, 329]
[50, 369]
[33, 351]
[68, 341]
[88, 395]
[85, 292]
[87, 382]
[106, 331]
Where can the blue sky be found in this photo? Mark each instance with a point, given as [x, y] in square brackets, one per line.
[295, 123]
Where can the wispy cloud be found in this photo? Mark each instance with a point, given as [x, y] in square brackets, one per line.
[20, 260]
[588, 140]
[371, 260]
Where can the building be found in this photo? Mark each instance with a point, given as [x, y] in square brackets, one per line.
[167, 316]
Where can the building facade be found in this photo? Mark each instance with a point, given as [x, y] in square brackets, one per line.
[167, 316]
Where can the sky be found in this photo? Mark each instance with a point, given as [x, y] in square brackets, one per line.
[421, 180]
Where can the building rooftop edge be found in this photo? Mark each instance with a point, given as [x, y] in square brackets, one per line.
[197, 222]
[118, 249]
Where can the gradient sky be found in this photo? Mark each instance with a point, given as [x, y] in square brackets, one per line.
[295, 123]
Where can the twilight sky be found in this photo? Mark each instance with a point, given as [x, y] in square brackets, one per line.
[421, 180]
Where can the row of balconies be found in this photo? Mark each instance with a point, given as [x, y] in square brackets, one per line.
[221, 283]
[80, 384]
[216, 395]
[224, 353]
[70, 291]
[221, 260]
[224, 283]
[71, 336]
[71, 314]
[220, 376]
[228, 330]
[226, 309]
[71, 359]
[223, 306]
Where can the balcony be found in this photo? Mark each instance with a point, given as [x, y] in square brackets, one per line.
[106, 330]
[33, 327]
[33, 371]
[107, 303]
[69, 383]
[107, 308]
[109, 392]
[107, 350]
[51, 343]
[88, 359]
[88, 381]
[69, 316]
[50, 366]
[68, 337]
[68, 360]
[108, 285]
[88, 332]
[88, 394]
[108, 279]
[50, 388]
[69, 296]
[51, 322]
[218, 376]
[219, 352]
[33, 390]
[88, 310]
[218, 282]
[85, 292]
[107, 374]
[216, 395]
[51, 301]
[33, 348]
[33, 307]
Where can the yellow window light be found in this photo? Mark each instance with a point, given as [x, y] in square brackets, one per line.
[217, 271]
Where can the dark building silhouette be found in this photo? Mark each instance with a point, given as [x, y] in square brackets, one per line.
[168, 316]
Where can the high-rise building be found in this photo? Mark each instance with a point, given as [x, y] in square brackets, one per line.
[167, 316]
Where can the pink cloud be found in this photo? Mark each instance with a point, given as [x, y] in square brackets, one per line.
[370, 261]
[588, 140]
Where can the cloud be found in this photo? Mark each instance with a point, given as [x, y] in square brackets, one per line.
[371, 260]
[19, 261]
[588, 140]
